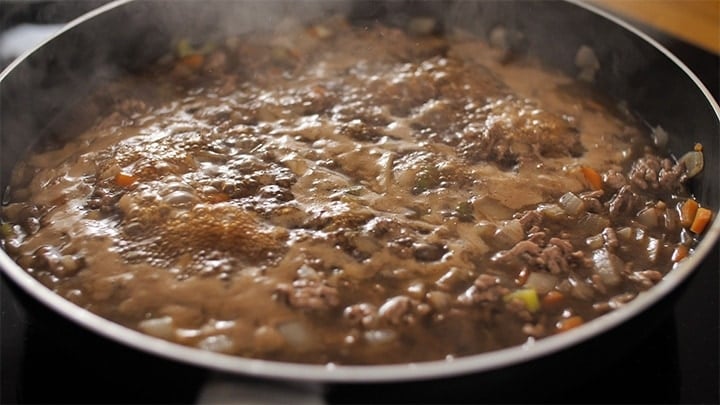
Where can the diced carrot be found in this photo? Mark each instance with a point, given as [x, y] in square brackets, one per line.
[193, 61]
[566, 324]
[679, 253]
[124, 179]
[552, 299]
[592, 177]
[702, 218]
[688, 209]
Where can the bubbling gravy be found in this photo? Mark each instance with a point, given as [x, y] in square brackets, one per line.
[349, 194]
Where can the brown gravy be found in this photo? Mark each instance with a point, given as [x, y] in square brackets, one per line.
[349, 194]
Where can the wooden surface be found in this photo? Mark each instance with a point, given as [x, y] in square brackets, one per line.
[695, 21]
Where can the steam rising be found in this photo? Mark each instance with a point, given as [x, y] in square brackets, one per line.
[36, 94]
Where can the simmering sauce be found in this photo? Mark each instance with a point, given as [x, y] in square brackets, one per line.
[349, 194]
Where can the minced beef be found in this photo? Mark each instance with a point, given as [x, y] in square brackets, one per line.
[348, 194]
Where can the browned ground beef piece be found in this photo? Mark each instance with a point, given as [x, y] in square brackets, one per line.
[522, 250]
[652, 173]
[309, 294]
[557, 256]
[362, 314]
[396, 309]
[625, 202]
[485, 288]
[530, 219]
[513, 131]
[614, 180]
[104, 198]
[592, 201]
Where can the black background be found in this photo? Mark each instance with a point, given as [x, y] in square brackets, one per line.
[667, 355]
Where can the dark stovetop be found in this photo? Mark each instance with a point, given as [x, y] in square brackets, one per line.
[667, 355]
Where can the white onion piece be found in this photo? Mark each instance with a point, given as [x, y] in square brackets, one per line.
[125, 203]
[306, 271]
[654, 249]
[588, 62]
[295, 334]
[694, 163]
[218, 343]
[595, 241]
[510, 233]
[572, 204]
[580, 289]
[648, 217]
[159, 327]
[607, 266]
[498, 38]
[593, 223]
[624, 233]
[660, 137]
[380, 336]
[491, 208]
[470, 235]
[542, 283]
[671, 218]
[552, 211]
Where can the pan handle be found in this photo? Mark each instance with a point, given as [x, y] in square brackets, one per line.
[227, 389]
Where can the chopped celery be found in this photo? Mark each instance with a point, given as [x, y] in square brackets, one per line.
[6, 230]
[428, 177]
[464, 211]
[528, 296]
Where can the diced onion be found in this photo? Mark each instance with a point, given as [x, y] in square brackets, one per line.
[581, 290]
[654, 249]
[648, 217]
[552, 211]
[541, 282]
[294, 333]
[625, 233]
[592, 223]
[572, 204]
[660, 136]
[595, 241]
[159, 327]
[218, 343]
[587, 61]
[694, 163]
[510, 233]
[380, 336]
[491, 208]
[608, 267]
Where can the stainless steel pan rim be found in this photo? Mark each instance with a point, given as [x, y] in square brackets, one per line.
[370, 373]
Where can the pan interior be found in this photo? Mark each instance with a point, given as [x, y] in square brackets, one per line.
[68, 81]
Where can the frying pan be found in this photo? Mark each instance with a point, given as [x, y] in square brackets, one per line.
[125, 36]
